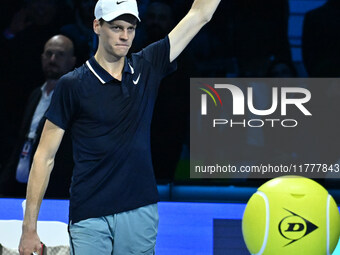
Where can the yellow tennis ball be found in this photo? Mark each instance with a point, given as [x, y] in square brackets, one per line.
[291, 215]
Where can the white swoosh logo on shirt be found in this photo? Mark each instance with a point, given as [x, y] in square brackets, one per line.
[136, 81]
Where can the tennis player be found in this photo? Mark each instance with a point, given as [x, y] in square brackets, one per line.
[107, 105]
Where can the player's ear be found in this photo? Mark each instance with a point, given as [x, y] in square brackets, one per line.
[96, 26]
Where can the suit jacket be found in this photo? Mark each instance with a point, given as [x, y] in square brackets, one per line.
[62, 171]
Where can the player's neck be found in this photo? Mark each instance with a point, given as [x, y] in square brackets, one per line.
[113, 66]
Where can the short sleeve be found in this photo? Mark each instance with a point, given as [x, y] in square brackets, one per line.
[63, 104]
[158, 54]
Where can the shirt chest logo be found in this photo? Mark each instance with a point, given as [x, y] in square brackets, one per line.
[137, 80]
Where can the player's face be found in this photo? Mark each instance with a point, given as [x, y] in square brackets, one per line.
[116, 37]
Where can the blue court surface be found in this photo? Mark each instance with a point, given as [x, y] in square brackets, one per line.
[184, 228]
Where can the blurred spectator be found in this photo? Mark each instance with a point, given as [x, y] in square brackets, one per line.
[254, 32]
[281, 141]
[281, 69]
[57, 59]
[6, 134]
[321, 40]
[269, 144]
[7, 9]
[243, 37]
[210, 60]
[167, 133]
[253, 66]
[81, 32]
[258, 32]
[321, 56]
[142, 7]
[318, 141]
[260, 29]
[157, 23]
[22, 43]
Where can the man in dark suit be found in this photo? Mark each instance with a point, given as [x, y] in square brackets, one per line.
[57, 59]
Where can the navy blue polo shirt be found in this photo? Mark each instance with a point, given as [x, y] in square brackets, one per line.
[110, 127]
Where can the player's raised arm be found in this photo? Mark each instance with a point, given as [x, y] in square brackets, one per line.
[38, 180]
[200, 13]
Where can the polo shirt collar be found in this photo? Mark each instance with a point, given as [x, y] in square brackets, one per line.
[128, 67]
[102, 75]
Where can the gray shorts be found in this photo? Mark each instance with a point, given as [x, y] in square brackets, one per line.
[131, 232]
